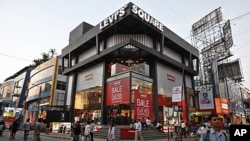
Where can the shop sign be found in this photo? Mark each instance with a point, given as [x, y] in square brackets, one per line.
[176, 94]
[135, 10]
[142, 105]
[146, 17]
[118, 92]
[114, 17]
[89, 77]
[170, 78]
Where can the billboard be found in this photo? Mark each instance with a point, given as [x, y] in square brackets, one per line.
[231, 70]
[208, 21]
[206, 100]
[227, 32]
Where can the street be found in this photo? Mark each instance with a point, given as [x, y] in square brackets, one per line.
[19, 137]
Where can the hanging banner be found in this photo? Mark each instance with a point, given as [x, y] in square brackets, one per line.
[142, 105]
[176, 94]
[117, 92]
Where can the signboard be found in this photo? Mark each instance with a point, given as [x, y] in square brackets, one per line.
[134, 10]
[118, 91]
[206, 100]
[142, 105]
[176, 94]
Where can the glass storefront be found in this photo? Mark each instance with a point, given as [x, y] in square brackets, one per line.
[128, 98]
[88, 104]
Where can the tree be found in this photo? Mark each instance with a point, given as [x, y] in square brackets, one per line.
[45, 57]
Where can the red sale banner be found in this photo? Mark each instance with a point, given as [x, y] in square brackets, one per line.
[142, 105]
[118, 92]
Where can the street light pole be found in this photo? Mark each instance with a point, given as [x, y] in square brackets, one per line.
[38, 102]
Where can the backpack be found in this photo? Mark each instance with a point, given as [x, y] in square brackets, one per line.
[208, 134]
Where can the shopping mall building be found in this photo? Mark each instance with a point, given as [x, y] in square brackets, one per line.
[127, 67]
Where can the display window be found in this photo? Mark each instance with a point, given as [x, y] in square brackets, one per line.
[88, 105]
[128, 99]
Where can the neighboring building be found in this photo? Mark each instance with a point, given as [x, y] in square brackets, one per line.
[6, 91]
[129, 66]
[239, 106]
[46, 89]
[13, 92]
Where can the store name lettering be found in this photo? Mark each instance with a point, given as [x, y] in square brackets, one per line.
[114, 17]
[88, 77]
[135, 10]
[146, 17]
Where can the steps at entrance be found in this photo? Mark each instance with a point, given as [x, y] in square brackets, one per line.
[147, 134]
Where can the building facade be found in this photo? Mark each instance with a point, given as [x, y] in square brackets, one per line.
[129, 66]
[12, 95]
[46, 90]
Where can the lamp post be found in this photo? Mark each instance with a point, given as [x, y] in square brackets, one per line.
[38, 101]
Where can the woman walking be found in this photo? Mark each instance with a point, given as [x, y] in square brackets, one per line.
[111, 132]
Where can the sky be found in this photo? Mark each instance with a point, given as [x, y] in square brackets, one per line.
[30, 27]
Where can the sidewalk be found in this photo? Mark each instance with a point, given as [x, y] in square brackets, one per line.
[67, 136]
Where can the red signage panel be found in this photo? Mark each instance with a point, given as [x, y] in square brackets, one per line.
[118, 92]
[142, 105]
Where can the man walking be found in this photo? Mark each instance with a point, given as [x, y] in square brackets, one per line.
[138, 128]
[76, 131]
[92, 127]
[183, 129]
[215, 133]
[39, 126]
[26, 129]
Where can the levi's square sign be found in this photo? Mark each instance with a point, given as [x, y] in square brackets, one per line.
[241, 132]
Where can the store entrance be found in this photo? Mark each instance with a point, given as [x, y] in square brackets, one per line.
[118, 114]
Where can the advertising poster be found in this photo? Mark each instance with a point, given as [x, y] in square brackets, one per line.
[142, 105]
[176, 94]
[206, 100]
[117, 92]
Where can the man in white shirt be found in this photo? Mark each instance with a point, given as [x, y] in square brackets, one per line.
[138, 127]
[148, 123]
[183, 129]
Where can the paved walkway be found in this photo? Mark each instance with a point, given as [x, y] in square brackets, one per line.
[67, 136]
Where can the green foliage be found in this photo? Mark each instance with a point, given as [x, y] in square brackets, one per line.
[45, 57]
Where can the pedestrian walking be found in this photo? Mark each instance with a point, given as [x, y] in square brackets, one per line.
[111, 132]
[14, 128]
[138, 127]
[92, 128]
[64, 129]
[77, 131]
[86, 133]
[183, 129]
[26, 129]
[214, 133]
[38, 128]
